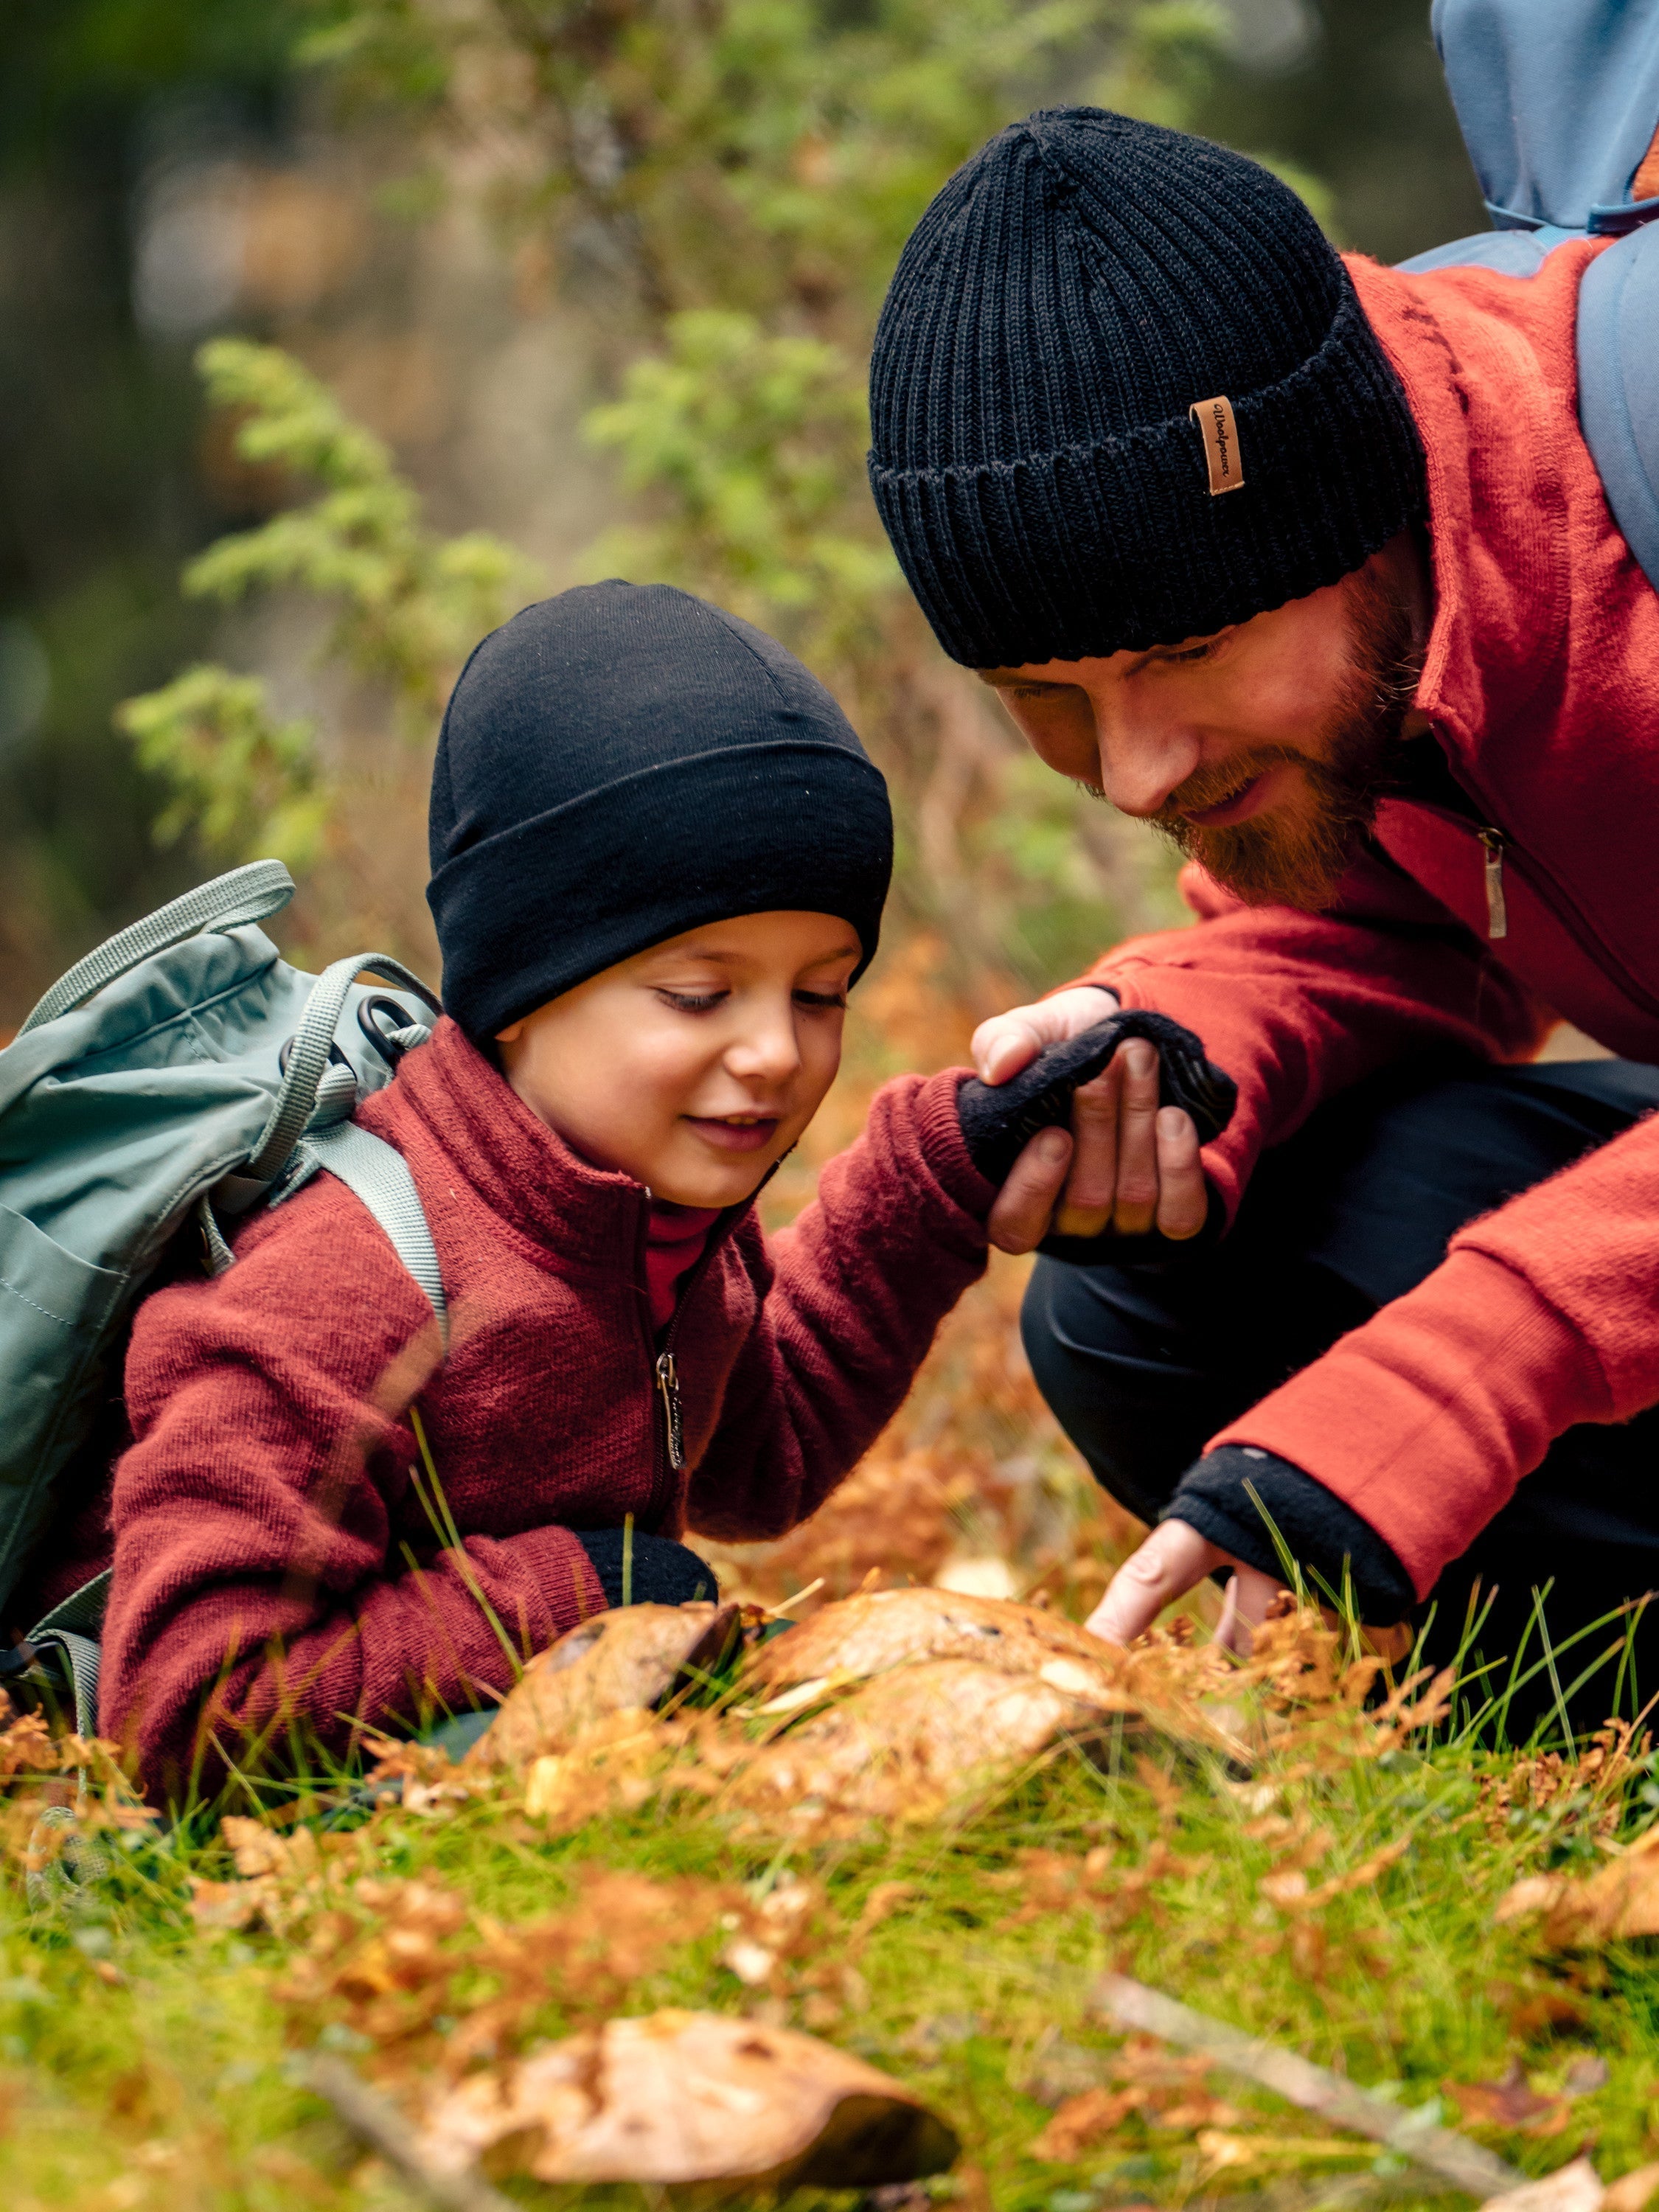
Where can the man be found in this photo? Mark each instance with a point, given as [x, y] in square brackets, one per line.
[1307, 564]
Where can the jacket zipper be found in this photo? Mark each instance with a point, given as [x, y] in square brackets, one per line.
[668, 1382]
[1548, 892]
[668, 1434]
[1498, 915]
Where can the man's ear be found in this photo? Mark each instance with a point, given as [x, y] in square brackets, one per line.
[512, 1033]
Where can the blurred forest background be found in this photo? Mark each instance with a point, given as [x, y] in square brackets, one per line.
[599, 275]
[332, 331]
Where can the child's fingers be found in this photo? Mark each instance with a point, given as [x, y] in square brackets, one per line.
[1007, 1043]
[1024, 1206]
[1183, 1196]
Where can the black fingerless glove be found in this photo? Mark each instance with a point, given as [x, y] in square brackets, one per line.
[663, 1571]
[1319, 1531]
[998, 1122]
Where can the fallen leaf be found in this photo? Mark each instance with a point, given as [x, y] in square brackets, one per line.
[1085, 2120]
[1632, 2191]
[684, 2097]
[1586, 2076]
[1619, 1900]
[1543, 2012]
[628, 1658]
[1574, 2188]
[908, 1744]
[1507, 2103]
[857, 1637]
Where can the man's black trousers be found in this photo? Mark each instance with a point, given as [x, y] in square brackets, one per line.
[1143, 1360]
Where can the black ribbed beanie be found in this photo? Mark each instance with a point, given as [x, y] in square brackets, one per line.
[625, 762]
[1077, 286]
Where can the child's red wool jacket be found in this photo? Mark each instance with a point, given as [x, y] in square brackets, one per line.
[268, 1498]
[1541, 684]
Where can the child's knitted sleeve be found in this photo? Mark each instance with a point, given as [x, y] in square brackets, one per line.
[858, 1285]
[257, 1510]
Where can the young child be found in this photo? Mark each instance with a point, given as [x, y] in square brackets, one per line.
[659, 857]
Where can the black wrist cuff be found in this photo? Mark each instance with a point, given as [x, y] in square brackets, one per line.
[1320, 1531]
[660, 1571]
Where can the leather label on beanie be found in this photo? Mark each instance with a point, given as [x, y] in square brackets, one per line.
[1214, 418]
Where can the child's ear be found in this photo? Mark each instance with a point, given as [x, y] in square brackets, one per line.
[512, 1033]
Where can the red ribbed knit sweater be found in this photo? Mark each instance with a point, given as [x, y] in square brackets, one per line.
[270, 1548]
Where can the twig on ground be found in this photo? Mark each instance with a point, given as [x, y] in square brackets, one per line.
[377, 2123]
[1130, 2003]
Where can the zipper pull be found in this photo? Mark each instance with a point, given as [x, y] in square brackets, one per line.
[668, 1381]
[1497, 917]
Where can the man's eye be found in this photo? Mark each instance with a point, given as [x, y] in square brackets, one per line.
[692, 1002]
[1174, 657]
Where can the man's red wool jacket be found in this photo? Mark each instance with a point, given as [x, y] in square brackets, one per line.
[271, 1548]
[1541, 685]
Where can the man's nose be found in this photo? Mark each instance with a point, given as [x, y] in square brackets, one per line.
[1143, 760]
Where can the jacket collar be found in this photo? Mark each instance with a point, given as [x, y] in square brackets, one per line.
[526, 1175]
[1488, 363]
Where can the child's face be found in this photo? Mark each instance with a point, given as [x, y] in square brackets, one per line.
[696, 1066]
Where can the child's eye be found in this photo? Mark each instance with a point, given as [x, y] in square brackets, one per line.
[692, 1002]
[820, 998]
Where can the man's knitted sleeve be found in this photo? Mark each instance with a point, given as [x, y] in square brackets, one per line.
[1298, 1007]
[1540, 1317]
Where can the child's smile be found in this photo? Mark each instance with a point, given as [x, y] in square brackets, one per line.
[695, 1066]
[734, 1132]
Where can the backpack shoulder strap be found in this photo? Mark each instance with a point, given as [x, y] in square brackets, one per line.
[1618, 386]
[378, 1175]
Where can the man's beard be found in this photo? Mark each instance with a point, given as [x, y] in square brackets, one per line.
[1296, 854]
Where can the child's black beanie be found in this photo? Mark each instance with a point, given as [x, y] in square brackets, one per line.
[625, 762]
[1075, 289]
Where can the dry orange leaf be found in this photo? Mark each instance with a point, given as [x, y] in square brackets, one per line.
[908, 1744]
[627, 1659]
[860, 1637]
[1631, 2191]
[1618, 1899]
[1084, 2121]
[688, 2096]
[1574, 2188]
[1509, 2103]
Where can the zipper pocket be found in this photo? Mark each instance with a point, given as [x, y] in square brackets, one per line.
[1498, 915]
[668, 1382]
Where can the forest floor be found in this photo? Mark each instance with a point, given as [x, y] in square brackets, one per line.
[163, 1987]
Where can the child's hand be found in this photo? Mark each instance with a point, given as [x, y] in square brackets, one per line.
[1126, 1161]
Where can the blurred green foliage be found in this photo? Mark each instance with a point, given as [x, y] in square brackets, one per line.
[102, 493]
[407, 606]
[739, 177]
[750, 442]
[722, 186]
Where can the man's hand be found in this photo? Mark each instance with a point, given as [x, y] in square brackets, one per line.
[1173, 1560]
[1127, 1161]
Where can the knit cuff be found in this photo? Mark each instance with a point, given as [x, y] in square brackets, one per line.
[1322, 1534]
[945, 1149]
[637, 1569]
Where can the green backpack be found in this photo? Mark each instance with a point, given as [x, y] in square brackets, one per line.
[174, 1078]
